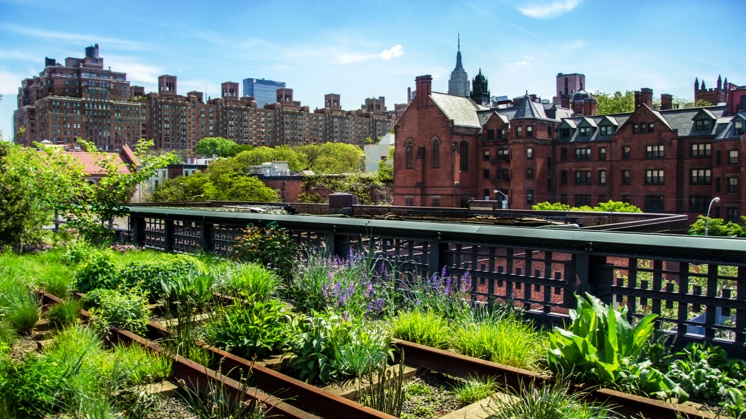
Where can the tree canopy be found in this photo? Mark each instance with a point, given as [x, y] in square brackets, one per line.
[610, 206]
[617, 102]
[219, 146]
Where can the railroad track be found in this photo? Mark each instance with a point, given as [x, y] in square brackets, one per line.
[292, 398]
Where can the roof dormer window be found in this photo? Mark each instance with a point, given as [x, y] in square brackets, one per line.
[702, 125]
[586, 131]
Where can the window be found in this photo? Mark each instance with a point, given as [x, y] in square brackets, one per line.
[702, 125]
[698, 203]
[563, 199]
[529, 196]
[485, 173]
[435, 201]
[654, 152]
[602, 198]
[625, 177]
[409, 201]
[486, 194]
[586, 131]
[654, 177]
[732, 185]
[582, 200]
[643, 128]
[733, 157]
[502, 174]
[563, 177]
[549, 131]
[738, 128]
[602, 177]
[530, 153]
[529, 173]
[491, 134]
[636, 128]
[409, 154]
[732, 215]
[565, 133]
[700, 176]
[625, 152]
[718, 159]
[602, 153]
[501, 134]
[486, 155]
[583, 177]
[625, 198]
[701, 150]
[583, 154]
[529, 131]
[563, 154]
[607, 130]
[503, 154]
[464, 154]
[653, 203]
[519, 132]
[435, 148]
[717, 185]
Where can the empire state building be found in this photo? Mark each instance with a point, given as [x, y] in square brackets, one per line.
[458, 84]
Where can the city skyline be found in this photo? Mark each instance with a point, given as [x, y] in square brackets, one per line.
[377, 49]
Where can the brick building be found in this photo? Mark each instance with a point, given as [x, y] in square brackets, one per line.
[450, 150]
[81, 99]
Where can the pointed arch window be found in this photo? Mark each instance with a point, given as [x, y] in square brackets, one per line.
[435, 152]
[464, 153]
[409, 157]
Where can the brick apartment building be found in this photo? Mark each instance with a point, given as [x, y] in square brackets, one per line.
[449, 150]
[81, 99]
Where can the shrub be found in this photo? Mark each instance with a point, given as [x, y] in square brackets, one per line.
[705, 372]
[141, 365]
[253, 280]
[97, 271]
[124, 309]
[78, 252]
[422, 327]
[253, 328]
[65, 313]
[602, 346]
[442, 293]
[149, 274]
[271, 246]
[57, 285]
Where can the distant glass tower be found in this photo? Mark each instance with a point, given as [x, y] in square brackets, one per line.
[263, 91]
[458, 85]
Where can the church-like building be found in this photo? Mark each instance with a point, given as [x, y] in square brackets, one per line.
[453, 148]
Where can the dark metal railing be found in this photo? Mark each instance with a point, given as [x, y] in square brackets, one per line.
[697, 285]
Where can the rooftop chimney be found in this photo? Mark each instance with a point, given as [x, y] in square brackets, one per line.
[646, 96]
[666, 102]
[424, 88]
[637, 99]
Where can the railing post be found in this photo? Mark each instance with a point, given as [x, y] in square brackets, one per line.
[169, 230]
[438, 257]
[137, 228]
[336, 245]
[207, 236]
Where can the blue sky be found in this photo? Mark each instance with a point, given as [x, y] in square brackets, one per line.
[376, 48]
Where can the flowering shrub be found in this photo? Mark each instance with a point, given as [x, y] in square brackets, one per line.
[442, 293]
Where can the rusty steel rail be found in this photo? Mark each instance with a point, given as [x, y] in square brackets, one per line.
[514, 378]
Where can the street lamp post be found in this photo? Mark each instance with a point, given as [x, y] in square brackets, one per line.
[707, 220]
[504, 195]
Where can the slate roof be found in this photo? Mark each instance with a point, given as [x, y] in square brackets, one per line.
[682, 119]
[460, 110]
[530, 109]
[593, 121]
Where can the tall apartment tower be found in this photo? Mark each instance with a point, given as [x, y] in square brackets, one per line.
[263, 91]
[229, 90]
[167, 85]
[458, 84]
[331, 101]
[284, 95]
[567, 85]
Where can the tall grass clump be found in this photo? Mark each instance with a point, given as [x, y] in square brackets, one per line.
[221, 401]
[65, 313]
[252, 280]
[22, 310]
[475, 389]
[546, 402]
[507, 341]
[423, 327]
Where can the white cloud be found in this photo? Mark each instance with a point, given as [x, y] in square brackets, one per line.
[88, 39]
[548, 9]
[136, 70]
[10, 82]
[395, 51]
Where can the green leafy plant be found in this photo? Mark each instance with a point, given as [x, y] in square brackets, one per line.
[271, 246]
[65, 313]
[545, 402]
[382, 387]
[705, 372]
[220, 402]
[475, 389]
[141, 365]
[162, 268]
[734, 404]
[124, 309]
[252, 279]
[98, 270]
[602, 346]
[251, 328]
[423, 327]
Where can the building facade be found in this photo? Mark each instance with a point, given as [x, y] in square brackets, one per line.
[263, 91]
[448, 151]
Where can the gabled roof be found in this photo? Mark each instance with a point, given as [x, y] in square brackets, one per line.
[530, 109]
[460, 110]
[608, 120]
[587, 122]
[659, 116]
[704, 113]
[683, 119]
[568, 122]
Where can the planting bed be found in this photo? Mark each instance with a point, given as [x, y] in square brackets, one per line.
[302, 355]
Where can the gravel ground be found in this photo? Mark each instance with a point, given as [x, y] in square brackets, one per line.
[429, 395]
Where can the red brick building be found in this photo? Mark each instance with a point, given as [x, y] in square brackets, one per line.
[450, 150]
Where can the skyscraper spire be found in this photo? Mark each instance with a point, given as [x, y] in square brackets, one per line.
[458, 84]
[458, 54]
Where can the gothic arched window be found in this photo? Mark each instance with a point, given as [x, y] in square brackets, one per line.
[409, 157]
[464, 152]
[435, 147]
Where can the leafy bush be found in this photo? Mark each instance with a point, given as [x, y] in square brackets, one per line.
[77, 252]
[705, 372]
[319, 349]
[141, 365]
[508, 341]
[164, 268]
[98, 270]
[65, 313]
[610, 206]
[271, 246]
[602, 346]
[124, 309]
[253, 328]
[253, 280]
[718, 227]
[423, 327]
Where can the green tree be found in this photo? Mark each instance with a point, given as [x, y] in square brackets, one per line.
[216, 146]
[385, 171]
[338, 158]
[718, 227]
[617, 102]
